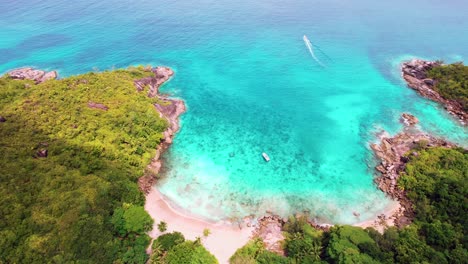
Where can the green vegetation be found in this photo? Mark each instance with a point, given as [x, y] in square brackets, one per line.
[436, 181]
[131, 219]
[168, 241]
[255, 252]
[206, 232]
[452, 82]
[81, 203]
[172, 248]
[162, 226]
[189, 253]
[303, 243]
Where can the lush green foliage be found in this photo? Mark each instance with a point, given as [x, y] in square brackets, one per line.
[452, 82]
[303, 243]
[435, 181]
[267, 257]
[255, 252]
[162, 226]
[168, 241]
[189, 253]
[206, 232]
[248, 253]
[173, 249]
[131, 219]
[349, 244]
[81, 203]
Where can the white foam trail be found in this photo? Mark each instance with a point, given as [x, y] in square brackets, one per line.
[311, 51]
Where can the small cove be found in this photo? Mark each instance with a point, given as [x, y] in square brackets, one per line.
[251, 87]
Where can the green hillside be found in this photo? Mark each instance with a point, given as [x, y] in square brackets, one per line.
[81, 203]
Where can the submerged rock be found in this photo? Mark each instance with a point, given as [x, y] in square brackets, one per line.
[409, 119]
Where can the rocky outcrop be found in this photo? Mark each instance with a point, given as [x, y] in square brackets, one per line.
[97, 106]
[38, 76]
[269, 229]
[392, 153]
[161, 75]
[171, 109]
[415, 74]
[168, 108]
[408, 119]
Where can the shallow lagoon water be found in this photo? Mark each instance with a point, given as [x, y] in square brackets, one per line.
[251, 86]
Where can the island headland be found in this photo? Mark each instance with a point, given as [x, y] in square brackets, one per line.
[73, 150]
[416, 74]
[393, 153]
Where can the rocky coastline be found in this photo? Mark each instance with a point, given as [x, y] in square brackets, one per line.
[393, 154]
[270, 230]
[415, 74]
[168, 108]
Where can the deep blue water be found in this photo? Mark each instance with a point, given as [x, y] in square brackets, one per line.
[252, 86]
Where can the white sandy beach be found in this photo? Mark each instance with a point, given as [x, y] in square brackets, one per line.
[223, 241]
[389, 214]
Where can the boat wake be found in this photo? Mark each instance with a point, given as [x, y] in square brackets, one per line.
[311, 51]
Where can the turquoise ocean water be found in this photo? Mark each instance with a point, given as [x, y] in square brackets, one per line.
[251, 86]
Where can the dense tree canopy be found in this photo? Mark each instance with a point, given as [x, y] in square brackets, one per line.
[167, 241]
[255, 252]
[172, 248]
[436, 181]
[189, 252]
[131, 219]
[452, 82]
[80, 203]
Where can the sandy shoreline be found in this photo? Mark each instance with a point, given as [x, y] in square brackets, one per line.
[386, 219]
[226, 238]
[223, 241]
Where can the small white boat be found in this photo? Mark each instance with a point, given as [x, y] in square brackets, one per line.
[265, 156]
